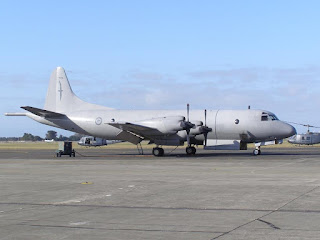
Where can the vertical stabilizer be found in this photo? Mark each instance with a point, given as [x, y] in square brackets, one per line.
[60, 95]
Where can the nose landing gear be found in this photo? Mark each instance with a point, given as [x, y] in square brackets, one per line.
[257, 151]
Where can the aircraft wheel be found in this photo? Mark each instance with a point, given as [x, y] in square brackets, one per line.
[194, 150]
[158, 152]
[256, 152]
[191, 150]
[162, 152]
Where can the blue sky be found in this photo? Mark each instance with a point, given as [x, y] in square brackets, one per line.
[162, 55]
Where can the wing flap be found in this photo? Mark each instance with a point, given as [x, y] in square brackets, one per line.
[131, 127]
[129, 137]
[43, 113]
[134, 133]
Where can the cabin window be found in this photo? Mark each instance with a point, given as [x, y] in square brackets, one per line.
[308, 138]
[302, 138]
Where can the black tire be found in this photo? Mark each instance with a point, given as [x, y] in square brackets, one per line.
[161, 151]
[256, 152]
[190, 150]
[194, 150]
[157, 152]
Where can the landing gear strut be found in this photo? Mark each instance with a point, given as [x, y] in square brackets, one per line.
[158, 152]
[191, 150]
[257, 151]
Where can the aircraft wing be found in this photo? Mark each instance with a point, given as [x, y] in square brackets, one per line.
[132, 132]
[132, 127]
[43, 113]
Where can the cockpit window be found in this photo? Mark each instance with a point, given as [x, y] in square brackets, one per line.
[272, 117]
[268, 117]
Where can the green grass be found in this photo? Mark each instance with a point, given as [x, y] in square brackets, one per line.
[125, 145]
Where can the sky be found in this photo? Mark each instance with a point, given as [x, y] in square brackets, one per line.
[162, 55]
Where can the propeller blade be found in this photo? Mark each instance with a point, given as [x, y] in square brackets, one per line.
[189, 125]
[206, 128]
[188, 137]
[205, 117]
[188, 106]
[205, 138]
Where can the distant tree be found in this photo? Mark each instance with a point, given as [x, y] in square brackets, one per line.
[51, 135]
[75, 137]
[12, 139]
[27, 137]
[37, 138]
[62, 138]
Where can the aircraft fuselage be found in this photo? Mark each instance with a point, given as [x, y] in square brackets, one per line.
[245, 125]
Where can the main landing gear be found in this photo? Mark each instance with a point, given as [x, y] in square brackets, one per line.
[257, 151]
[158, 151]
[191, 150]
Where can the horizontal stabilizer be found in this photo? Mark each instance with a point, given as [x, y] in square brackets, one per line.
[15, 114]
[43, 113]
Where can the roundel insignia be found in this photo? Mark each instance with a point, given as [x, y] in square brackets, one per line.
[98, 120]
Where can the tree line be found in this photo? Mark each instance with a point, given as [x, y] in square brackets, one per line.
[49, 135]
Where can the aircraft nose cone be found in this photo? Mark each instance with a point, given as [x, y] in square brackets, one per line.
[289, 130]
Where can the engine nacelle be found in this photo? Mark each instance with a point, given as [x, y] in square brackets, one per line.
[165, 125]
[197, 129]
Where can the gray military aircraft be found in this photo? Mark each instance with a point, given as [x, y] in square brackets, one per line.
[215, 129]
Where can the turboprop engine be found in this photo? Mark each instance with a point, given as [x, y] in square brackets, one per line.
[167, 125]
[197, 128]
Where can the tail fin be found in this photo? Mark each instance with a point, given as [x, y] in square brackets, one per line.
[60, 97]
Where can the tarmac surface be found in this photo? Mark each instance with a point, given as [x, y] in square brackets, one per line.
[117, 194]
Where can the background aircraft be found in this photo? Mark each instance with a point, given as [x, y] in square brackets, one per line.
[90, 141]
[215, 129]
[308, 138]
